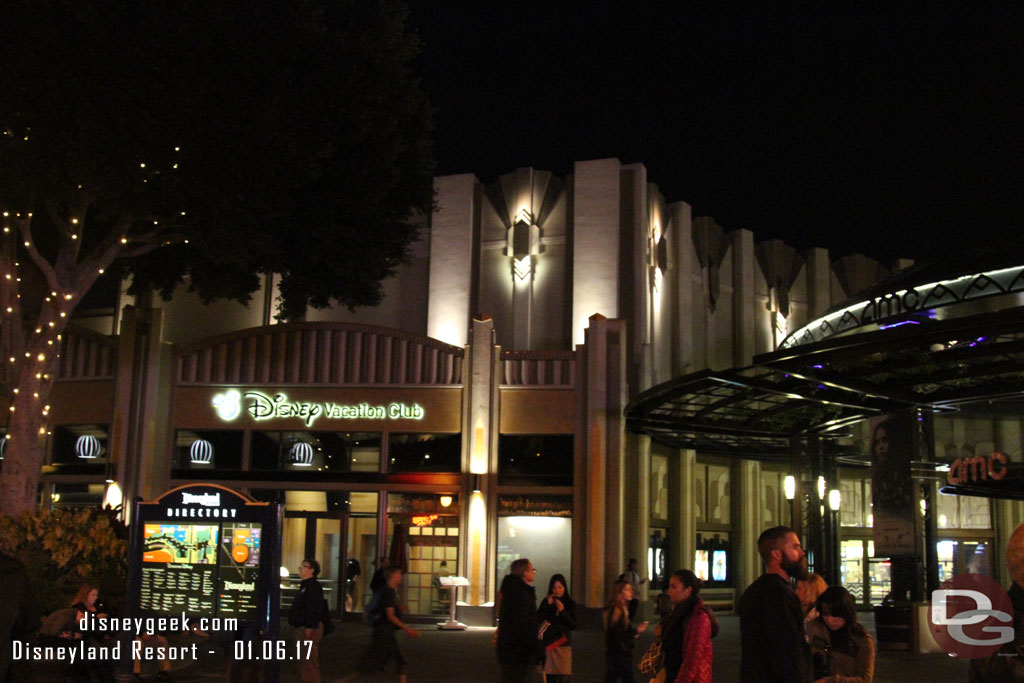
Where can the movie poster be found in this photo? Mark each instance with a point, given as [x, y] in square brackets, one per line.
[892, 489]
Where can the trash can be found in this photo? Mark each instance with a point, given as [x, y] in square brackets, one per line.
[893, 629]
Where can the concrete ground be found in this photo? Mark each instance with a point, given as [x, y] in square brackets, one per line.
[439, 656]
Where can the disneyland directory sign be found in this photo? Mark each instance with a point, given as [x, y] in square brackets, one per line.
[202, 550]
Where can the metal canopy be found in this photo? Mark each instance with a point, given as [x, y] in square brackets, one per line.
[937, 365]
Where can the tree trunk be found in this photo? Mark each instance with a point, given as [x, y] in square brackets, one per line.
[23, 455]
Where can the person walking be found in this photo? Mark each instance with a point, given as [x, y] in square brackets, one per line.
[620, 634]
[557, 615]
[632, 575]
[517, 642]
[843, 650]
[307, 615]
[772, 644]
[383, 645]
[687, 631]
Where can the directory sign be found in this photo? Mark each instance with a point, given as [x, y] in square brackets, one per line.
[203, 551]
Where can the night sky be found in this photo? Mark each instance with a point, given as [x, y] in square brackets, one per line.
[889, 129]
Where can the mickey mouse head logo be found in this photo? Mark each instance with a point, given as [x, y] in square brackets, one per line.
[228, 404]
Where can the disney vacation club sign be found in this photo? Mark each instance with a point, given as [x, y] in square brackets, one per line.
[260, 406]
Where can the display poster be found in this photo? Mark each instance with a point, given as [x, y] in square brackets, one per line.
[719, 563]
[892, 488]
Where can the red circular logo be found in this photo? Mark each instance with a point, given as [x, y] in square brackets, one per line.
[971, 616]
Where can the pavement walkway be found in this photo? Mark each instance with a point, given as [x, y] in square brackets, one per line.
[467, 656]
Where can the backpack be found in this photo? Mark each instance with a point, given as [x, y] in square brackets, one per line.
[59, 621]
[373, 611]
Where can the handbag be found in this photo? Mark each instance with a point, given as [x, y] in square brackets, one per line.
[652, 660]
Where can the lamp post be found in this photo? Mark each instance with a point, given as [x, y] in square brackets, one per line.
[834, 501]
[789, 487]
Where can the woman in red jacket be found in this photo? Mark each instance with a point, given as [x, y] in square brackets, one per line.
[687, 632]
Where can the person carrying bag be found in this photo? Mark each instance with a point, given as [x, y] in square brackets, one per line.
[557, 615]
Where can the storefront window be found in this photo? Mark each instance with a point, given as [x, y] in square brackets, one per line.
[316, 451]
[535, 459]
[775, 508]
[80, 448]
[208, 449]
[657, 559]
[659, 487]
[963, 557]
[712, 494]
[963, 512]
[538, 528]
[855, 492]
[423, 536]
[424, 452]
[712, 561]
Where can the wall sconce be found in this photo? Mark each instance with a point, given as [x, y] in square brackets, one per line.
[821, 488]
[789, 486]
[201, 452]
[446, 501]
[87, 447]
[834, 499]
[476, 483]
[302, 454]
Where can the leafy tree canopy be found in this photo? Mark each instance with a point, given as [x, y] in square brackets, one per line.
[208, 142]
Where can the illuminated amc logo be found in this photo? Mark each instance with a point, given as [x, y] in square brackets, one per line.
[230, 404]
[975, 469]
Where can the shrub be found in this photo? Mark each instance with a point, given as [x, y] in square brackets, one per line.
[63, 548]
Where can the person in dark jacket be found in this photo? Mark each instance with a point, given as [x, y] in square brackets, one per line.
[620, 634]
[558, 610]
[307, 614]
[772, 644]
[383, 646]
[517, 642]
[687, 631]
[16, 619]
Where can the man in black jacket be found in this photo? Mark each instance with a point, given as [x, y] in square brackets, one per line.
[307, 614]
[517, 624]
[773, 648]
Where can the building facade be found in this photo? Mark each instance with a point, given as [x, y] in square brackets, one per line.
[478, 414]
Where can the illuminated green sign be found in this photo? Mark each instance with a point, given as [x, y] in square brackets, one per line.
[260, 406]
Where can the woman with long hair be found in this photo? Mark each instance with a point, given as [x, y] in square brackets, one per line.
[844, 651]
[619, 634]
[687, 631]
[558, 611]
[808, 591]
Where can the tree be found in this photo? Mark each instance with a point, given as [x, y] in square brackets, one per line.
[180, 141]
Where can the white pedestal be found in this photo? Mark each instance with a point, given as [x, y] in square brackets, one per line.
[452, 583]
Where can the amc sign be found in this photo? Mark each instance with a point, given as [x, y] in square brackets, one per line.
[978, 468]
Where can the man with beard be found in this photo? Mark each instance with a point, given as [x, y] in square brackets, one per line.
[771, 620]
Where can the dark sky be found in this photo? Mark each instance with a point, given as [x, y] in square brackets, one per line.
[892, 129]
